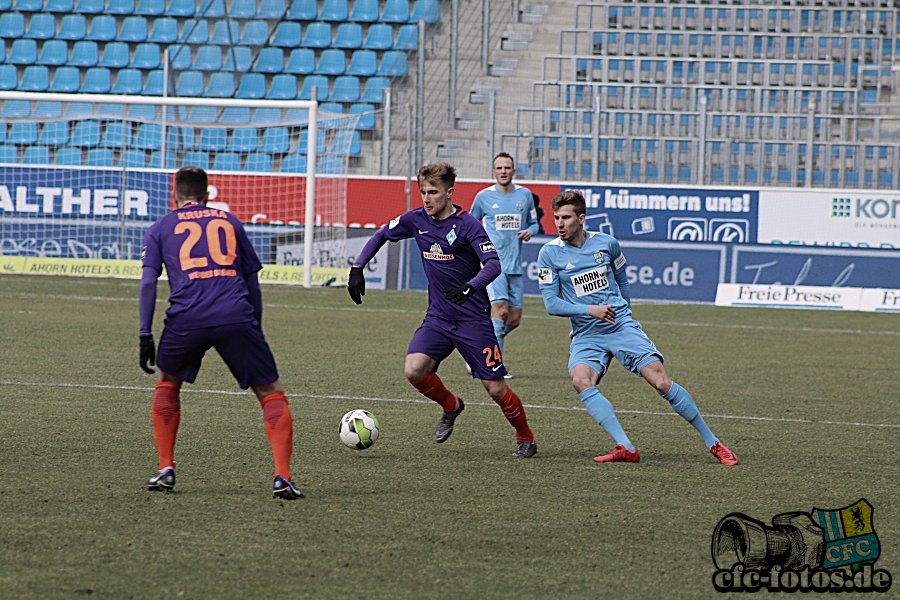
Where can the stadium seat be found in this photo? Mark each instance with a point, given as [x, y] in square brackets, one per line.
[89, 7]
[275, 140]
[252, 86]
[65, 80]
[103, 29]
[70, 157]
[213, 139]
[63, 7]
[47, 110]
[283, 87]
[348, 37]
[294, 163]
[235, 115]
[79, 110]
[302, 61]
[304, 140]
[318, 35]
[22, 134]
[84, 54]
[53, 53]
[407, 38]
[9, 154]
[363, 63]
[366, 114]
[303, 10]
[128, 81]
[346, 89]
[330, 165]
[23, 52]
[153, 86]
[164, 31]
[297, 116]
[427, 10]
[9, 77]
[136, 159]
[266, 116]
[238, 58]
[243, 140]
[203, 115]
[269, 60]
[41, 27]
[379, 37]
[225, 33]
[15, 109]
[242, 9]
[115, 56]
[272, 10]
[117, 135]
[211, 9]
[28, 5]
[12, 26]
[333, 108]
[180, 57]
[209, 58]
[320, 82]
[108, 112]
[256, 33]
[149, 137]
[86, 134]
[286, 35]
[334, 10]
[365, 11]
[258, 162]
[146, 56]
[72, 28]
[393, 64]
[134, 30]
[227, 161]
[100, 157]
[190, 83]
[332, 62]
[143, 112]
[150, 8]
[180, 8]
[374, 91]
[195, 32]
[119, 7]
[36, 155]
[346, 143]
[395, 11]
[221, 85]
[36, 78]
[156, 160]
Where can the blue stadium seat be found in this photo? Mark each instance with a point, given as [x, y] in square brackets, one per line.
[213, 139]
[28, 5]
[366, 114]
[156, 160]
[136, 159]
[427, 10]
[332, 62]
[134, 29]
[47, 110]
[252, 86]
[164, 31]
[128, 81]
[287, 34]
[379, 37]
[70, 157]
[330, 165]
[201, 114]
[297, 117]
[374, 90]
[36, 155]
[149, 137]
[12, 26]
[22, 134]
[407, 38]
[109, 112]
[258, 162]
[244, 140]
[302, 61]
[153, 86]
[256, 33]
[16, 109]
[275, 140]
[115, 56]
[59, 6]
[395, 11]
[100, 157]
[36, 78]
[84, 54]
[346, 143]
[41, 27]
[211, 9]
[146, 56]
[195, 32]
[304, 141]
[72, 28]
[9, 154]
[348, 37]
[23, 52]
[363, 63]
[9, 77]
[227, 161]
[266, 116]
[393, 64]
[334, 10]
[283, 87]
[53, 53]
[143, 112]
[269, 60]
[238, 58]
[242, 9]
[320, 82]
[66, 80]
[365, 11]
[181, 8]
[180, 57]
[235, 115]
[117, 135]
[333, 108]
[150, 8]
[79, 110]
[221, 85]
[225, 33]
[103, 29]
[209, 58]
[294, 163]
[86, 134]
[303, 10]
[119, 7]
[346, 89]
[2, 132]
[272, 10]
[190, 83]
[318, 35]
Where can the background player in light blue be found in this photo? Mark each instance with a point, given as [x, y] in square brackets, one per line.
[509, 216]
[582, 276]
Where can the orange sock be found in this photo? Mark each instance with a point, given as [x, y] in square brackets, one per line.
[279, 426]
[166, 414]
[514, 412]
[433, 388]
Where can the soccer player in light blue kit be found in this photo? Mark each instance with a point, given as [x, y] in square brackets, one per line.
[582, 276]
[509, 216]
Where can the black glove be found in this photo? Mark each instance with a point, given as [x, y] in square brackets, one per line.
[148, 353]
[460, 294]
[357, 284]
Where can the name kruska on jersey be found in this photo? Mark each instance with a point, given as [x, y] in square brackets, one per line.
[199, 214]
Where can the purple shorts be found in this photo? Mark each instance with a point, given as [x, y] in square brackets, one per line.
[241, 345]
[475, 341]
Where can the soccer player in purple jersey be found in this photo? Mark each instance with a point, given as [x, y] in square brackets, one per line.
[215, 302]
[454, 247]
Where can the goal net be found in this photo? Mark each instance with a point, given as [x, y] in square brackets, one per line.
[83, 177]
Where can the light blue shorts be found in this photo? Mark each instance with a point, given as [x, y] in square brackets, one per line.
[628, 344]
[507, 288]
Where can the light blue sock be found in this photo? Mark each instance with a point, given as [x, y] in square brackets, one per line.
[500, 330]
[684, 405]
[602, 411]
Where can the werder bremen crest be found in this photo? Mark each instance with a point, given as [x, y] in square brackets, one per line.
[850, 538]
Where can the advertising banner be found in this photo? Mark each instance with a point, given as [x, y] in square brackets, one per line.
[807, 296]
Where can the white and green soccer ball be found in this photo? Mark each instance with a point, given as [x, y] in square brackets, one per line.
[359, 429]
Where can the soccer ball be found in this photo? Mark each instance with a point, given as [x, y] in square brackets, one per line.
[359, 429]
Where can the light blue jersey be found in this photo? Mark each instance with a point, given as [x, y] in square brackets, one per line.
[573, 278]
[504, 215]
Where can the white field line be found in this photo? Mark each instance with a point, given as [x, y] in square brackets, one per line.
[420, 401]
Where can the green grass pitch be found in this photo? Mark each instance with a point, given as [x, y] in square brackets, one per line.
[808, 400]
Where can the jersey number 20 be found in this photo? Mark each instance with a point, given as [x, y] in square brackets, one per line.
[213, 243]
